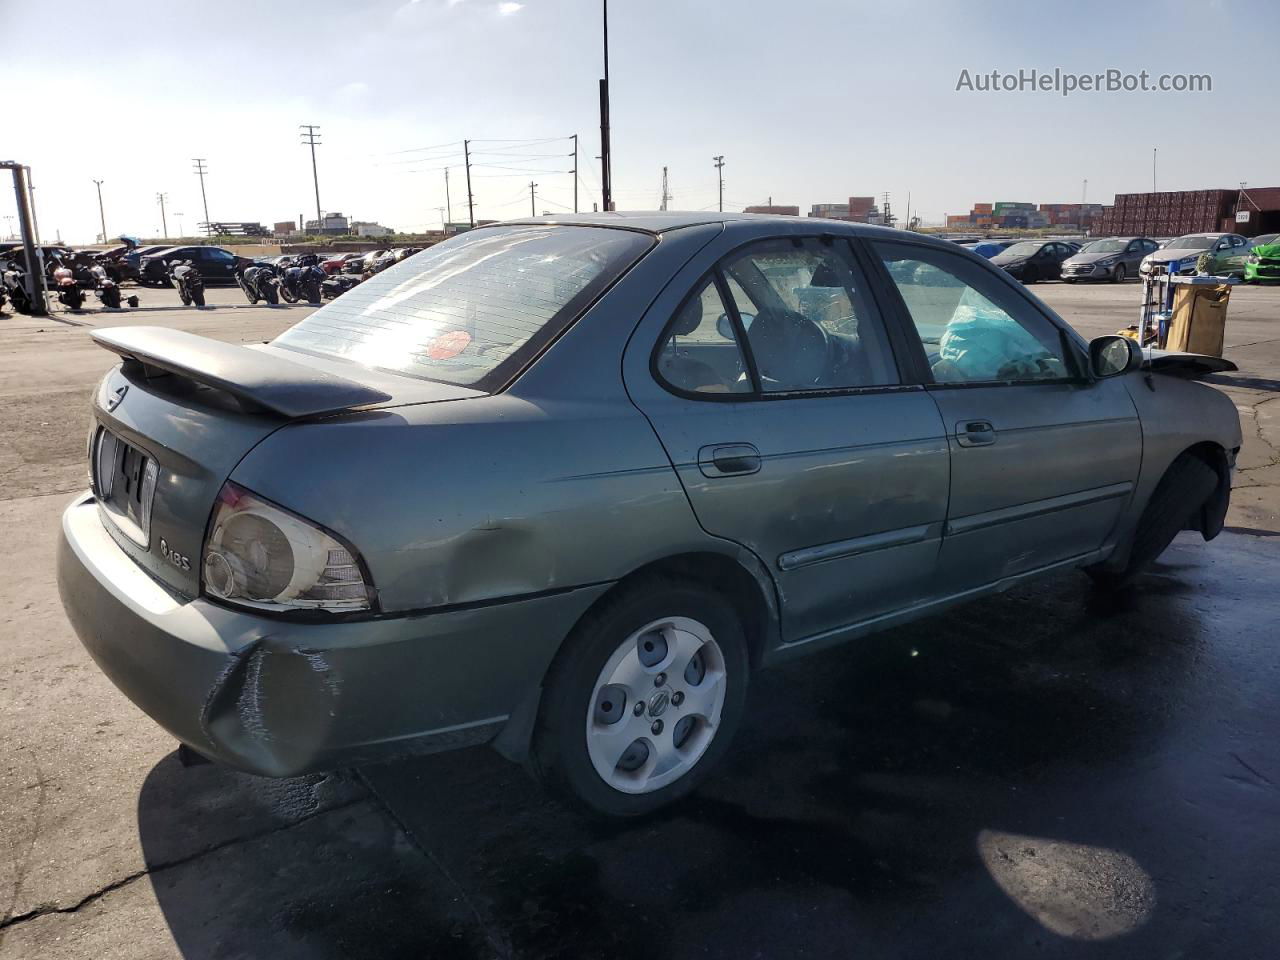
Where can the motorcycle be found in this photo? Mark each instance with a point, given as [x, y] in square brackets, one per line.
[303, 279]
[67, 286]
[338, 284]
[107, 289]
[13, 279]
[259, 282]
[187, 280]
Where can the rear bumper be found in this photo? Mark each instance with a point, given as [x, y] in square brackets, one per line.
[281, 699]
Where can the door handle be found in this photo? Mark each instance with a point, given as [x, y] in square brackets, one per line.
[728, 460]
[975, 433]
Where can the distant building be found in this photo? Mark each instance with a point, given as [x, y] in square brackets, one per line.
[1019, 215]
[334, 224]
[282, 228]
[780, 210]
[830, 211]
[364, 228]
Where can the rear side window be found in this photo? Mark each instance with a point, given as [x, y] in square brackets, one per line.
[473, 309]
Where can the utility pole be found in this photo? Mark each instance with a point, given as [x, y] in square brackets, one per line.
[201, 170]
[533, 209]
[1154, 152]
[30, 235]
[665, 195]
[164, 224]
[179, 216]
[444, 224]
[606, 159]
[471, 200]
[309, 135]
[720, 172]
[575, 173]
[102, 217]
[1084, 192]
[908, 209]
[448, 204]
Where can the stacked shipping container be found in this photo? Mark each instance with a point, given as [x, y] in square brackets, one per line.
[1166, 214]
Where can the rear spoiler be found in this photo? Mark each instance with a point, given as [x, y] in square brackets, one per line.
[258, 380]
[1188, 366]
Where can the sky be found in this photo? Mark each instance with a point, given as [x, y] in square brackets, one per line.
[808, 101]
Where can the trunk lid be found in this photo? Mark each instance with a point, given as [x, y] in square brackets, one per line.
[181, 411]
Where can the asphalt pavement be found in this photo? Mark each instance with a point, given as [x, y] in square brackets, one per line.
[1043, 772]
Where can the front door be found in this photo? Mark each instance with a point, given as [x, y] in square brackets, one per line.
[1043, 459]
[775, 391]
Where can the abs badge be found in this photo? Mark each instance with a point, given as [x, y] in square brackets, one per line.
[448, 345]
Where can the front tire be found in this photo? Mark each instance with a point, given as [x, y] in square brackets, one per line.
[197, 294]
[1119, 275]
[643, 698]
[1183, 490]
[269, 293]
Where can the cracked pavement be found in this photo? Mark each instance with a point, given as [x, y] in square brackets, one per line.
[886, 797]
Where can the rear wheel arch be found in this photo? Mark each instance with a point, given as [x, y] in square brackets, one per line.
[741, 580]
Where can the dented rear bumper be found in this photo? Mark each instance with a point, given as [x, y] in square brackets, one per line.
[280, 698]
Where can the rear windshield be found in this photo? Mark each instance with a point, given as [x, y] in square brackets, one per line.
[462, 309]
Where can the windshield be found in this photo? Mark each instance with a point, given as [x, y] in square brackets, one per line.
[1191, 243]
[1106, 246]
[460, 309]
[1026, 248]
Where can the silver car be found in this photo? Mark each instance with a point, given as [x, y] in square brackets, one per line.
[1110, 258]
[563, 487]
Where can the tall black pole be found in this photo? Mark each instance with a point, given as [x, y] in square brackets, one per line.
[471, 200]
[606, 159]
[533, 208]
[102, 217]
[720, 173]
[30, 236]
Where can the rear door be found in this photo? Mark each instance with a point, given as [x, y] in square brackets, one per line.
[1043, 460]
[772, 382]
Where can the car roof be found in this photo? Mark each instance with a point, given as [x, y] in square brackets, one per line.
[660, 221]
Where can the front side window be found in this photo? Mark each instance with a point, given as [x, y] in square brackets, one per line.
[808, 322]
[474, 308]
[700, 351]
[974, 329]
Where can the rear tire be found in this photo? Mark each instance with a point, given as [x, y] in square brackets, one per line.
[702, 661]
[111, 297]
[198, 296]
[270, 295]
[1119, 275]
[1183, 489]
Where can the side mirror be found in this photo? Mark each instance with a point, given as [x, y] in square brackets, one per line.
[1113, 355]
[724, 326]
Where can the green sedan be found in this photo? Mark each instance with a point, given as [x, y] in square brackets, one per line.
[1262, 265]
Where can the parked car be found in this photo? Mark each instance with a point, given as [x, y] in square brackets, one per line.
[563, 487]
[991, 248]
[1228, 253]
[1112, 258]
[335, 262]
[214, 264]
[1032, 260]
[1263, 261]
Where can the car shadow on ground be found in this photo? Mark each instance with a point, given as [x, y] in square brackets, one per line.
[1036, 772]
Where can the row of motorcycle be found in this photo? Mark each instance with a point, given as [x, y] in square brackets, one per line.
[71, 279]
[308, 277]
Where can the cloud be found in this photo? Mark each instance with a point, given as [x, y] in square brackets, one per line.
[509, 7]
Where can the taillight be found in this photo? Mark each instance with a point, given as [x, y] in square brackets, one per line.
[260, 555]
